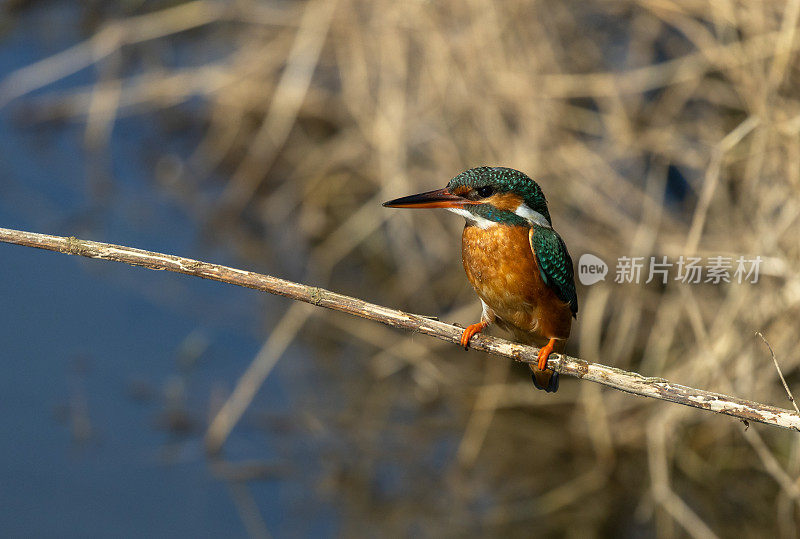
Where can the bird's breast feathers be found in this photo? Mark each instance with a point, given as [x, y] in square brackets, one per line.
[502, 268]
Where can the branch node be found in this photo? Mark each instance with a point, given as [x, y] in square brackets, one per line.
[316, 295]
[72, 245]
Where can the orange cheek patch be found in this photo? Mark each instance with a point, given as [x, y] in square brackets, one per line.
[504, 201]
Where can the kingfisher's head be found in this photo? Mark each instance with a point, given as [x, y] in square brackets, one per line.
[486, 196]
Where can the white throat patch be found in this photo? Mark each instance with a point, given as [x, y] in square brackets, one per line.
[474, 219]
[533, 216]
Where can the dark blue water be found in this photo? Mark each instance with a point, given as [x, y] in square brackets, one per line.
[91, 350]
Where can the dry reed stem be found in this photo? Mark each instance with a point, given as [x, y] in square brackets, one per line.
[630, 382]
[780, 372]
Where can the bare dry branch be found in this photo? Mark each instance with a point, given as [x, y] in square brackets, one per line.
[630, 382]
[780, 372]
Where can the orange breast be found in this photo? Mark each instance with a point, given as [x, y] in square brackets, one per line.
[501, 267]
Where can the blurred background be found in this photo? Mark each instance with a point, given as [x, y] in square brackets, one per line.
[264, 135]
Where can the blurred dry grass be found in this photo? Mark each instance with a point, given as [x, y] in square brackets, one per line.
[654, 127]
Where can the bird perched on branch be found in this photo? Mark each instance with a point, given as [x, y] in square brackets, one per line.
[517, 263]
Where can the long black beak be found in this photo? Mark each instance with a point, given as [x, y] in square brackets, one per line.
[441, 198]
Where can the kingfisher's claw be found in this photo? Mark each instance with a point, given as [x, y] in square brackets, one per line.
[544, 353]
[470, 332]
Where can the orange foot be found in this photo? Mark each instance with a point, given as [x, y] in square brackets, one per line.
[544, 353]
[544, 378]
[471, 330]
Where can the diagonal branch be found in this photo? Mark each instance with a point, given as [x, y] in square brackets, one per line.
[656, 388]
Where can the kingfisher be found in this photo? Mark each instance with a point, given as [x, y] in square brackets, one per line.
[516, 262]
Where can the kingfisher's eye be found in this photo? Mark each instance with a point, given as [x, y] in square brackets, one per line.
[485, 191]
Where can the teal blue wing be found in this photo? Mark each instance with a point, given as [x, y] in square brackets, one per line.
[555, 264]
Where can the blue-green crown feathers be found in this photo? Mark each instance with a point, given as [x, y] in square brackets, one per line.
[504, 180]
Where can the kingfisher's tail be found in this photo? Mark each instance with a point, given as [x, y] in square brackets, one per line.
[544, 379]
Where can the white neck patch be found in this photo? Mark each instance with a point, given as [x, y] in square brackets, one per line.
[474, 219]
[533, 216]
